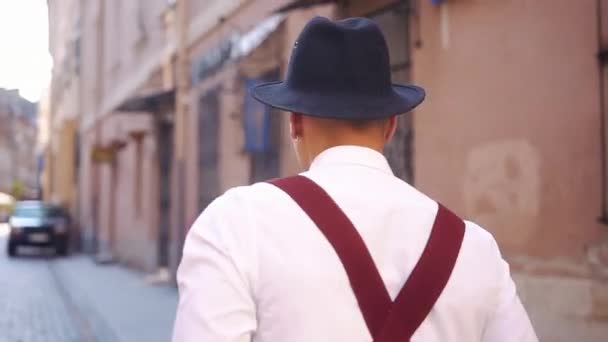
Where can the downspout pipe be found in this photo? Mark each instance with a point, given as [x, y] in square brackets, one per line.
[602, 61]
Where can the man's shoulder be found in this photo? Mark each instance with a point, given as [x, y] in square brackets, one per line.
[243, 196]
[478, 235]
[230, 215]
[480, 246]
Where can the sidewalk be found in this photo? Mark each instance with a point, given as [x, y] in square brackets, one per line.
[115, 303]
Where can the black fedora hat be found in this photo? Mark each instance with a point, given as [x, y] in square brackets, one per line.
[340, 70]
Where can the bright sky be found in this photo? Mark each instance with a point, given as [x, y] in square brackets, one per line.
[25, 62]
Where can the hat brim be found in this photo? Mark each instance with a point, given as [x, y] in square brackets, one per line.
[401, 99]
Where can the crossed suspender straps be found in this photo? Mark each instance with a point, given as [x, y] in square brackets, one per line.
[387, 321]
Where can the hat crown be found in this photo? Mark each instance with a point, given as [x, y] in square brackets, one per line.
[348, 56]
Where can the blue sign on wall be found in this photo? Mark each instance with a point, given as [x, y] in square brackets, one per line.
[256, 121]
[40, 162]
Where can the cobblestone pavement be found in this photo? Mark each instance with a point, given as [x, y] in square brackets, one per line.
[32, 305]
[48, 299]
[117, 302]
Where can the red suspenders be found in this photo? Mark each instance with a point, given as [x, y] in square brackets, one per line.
[386, 320]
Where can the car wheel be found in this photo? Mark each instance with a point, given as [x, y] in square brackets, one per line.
[61, 249]
[11, 249]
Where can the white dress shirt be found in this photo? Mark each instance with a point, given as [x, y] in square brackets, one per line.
[256, 268]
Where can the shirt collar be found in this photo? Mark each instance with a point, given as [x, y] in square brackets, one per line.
[352, 155]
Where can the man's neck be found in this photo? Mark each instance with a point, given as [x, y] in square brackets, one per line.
[318, 148]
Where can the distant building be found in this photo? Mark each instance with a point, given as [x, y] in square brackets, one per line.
[18, 171]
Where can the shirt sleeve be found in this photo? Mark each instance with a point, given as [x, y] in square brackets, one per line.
[507, 320]
[215, 300]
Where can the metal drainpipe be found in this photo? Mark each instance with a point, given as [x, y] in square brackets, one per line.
[96, 131]
[602, 56]
[182, 92]
[13, 144]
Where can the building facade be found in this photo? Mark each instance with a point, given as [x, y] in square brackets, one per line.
[523, 148]
[510, 135]
[60, 112]
[124, 46]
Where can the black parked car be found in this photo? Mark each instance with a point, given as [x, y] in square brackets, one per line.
[34, 223]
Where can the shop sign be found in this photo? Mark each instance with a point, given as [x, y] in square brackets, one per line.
[213, 60]
[102, 154]
[235, 46]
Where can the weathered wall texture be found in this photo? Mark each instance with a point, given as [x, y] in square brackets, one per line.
[509, 137]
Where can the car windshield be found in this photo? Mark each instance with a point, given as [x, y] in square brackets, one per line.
[37, 211]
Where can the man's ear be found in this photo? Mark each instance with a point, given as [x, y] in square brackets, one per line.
[391, 128]
[296, 127]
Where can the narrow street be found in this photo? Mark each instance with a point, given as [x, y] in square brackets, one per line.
[33, 306]
[49, 299]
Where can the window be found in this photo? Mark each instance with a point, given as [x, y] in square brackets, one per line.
[138, 137]
[209, 126]
[262, 133]
[140, 33]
